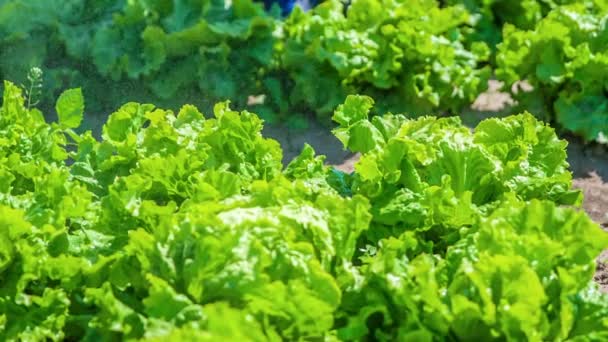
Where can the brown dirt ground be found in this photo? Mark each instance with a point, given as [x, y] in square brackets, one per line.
[589, 163]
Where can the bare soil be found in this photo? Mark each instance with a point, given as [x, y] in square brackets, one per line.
[316, 135]
[590, 168]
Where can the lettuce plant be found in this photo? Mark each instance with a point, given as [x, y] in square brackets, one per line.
[564, 58]
[414, 55]
[489, 16]
[202, 50]
[468, 239]
[410, 54]
[174, 226]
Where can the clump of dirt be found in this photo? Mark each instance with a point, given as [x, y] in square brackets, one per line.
[596, 197]
[493, 99]
[348, 165]
[601, 271]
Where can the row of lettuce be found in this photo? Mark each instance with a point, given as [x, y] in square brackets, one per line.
[177, 227]
[416, 57]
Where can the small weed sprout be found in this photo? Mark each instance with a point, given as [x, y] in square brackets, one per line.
[33, 90]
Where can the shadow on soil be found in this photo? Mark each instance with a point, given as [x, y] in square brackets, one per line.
[587, 159]
[316, 135]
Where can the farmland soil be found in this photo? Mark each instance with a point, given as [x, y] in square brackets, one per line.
[590, 168]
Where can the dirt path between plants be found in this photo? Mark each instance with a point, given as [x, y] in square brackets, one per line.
[589, 164]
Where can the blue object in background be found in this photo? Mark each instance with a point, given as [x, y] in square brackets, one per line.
[288, 5]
